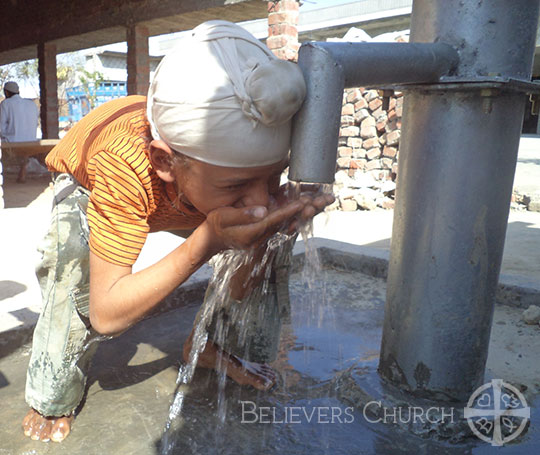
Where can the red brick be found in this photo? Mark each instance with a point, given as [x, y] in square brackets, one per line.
[381, 123]
[392, 103]
[358, 164]
[361, 114]
[344, 151]
[354, 142]
[349, 131]
[283, 5]
[275, 42]
[343, 162]
[387, 163]
[373, 153]
[368, 131]
[359, 153]
[283, 29]
[372, 165]
[348, 109]
[375, 104]
[370, 143]
[354, 95]
[368, 121]
[370, 95]
[389, 152]
[392, 138]
[285, 17]
[388, 204]
[360, 104]
[347, 120]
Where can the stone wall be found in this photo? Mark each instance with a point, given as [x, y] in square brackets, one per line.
[368, 149]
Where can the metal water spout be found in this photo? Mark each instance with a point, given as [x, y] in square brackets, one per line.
[328, 69]
[465, 75]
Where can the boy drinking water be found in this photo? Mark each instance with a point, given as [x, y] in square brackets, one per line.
[204, 152]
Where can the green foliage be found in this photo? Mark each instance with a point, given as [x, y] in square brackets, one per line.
[90, 81]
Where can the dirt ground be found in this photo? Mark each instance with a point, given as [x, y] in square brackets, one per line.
[18, 195]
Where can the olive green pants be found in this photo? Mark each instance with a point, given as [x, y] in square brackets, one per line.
[64, 341]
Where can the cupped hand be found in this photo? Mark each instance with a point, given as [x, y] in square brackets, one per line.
[249, 226]
[312, 198]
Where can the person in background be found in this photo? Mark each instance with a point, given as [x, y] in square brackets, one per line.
[18, 121]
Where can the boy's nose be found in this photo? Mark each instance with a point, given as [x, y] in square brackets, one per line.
[257, 194]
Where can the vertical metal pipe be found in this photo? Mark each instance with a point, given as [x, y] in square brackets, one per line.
[458, 155]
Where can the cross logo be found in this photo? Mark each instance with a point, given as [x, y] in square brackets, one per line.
[497, 412]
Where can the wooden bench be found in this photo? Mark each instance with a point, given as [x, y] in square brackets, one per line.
[29, 148]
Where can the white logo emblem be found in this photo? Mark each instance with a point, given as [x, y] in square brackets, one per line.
[497, 412]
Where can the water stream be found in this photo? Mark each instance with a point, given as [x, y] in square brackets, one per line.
[225, 265]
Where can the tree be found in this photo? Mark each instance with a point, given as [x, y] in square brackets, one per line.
[90, 81]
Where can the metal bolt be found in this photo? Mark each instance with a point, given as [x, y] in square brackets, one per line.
[535, 103]
[386, 94]
[487, 103]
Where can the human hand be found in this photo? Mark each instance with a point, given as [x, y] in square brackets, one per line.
[312, 198]
[249, 226]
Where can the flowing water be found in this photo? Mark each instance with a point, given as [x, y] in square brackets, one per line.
[225, 265]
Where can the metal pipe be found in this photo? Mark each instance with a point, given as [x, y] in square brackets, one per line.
[458, 154]
[329, 68]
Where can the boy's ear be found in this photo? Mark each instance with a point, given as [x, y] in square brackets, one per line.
[161, 157]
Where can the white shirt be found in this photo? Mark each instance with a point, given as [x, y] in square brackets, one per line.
[18, 119]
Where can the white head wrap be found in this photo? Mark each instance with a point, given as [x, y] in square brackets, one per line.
[223, 98]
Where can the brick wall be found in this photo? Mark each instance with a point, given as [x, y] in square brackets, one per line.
[368, 149]
[282, 29]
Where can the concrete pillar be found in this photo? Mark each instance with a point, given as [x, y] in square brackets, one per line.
[48, 85]
[138, 61]
[282, 29]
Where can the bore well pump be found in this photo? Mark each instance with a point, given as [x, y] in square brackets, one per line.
[465, 75]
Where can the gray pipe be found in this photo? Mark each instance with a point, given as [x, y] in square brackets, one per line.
[329, 68]
[458, 154]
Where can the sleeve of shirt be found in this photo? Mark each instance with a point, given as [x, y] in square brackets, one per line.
[3, 120]
[117, 210]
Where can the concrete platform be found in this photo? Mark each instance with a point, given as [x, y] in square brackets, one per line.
[332, 340]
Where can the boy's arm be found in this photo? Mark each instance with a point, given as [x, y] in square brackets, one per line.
[120, 298]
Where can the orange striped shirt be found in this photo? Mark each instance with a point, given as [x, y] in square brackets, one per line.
[107, 152]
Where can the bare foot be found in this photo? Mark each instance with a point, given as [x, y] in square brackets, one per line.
[258, 375]
[41, 428]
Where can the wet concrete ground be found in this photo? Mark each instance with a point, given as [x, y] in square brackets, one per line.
[132, 384]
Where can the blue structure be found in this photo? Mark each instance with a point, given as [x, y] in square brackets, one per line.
[79, 105]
